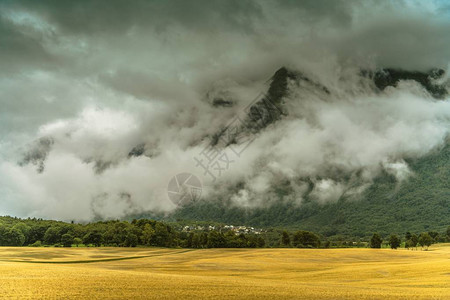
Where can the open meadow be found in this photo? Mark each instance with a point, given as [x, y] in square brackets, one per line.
[156, 273]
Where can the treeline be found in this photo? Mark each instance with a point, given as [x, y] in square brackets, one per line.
[301, 239]
[145, 232]
[424, 239]
[38, 232]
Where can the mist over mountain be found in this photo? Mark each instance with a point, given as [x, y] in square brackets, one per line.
[314, 113]
[398, 188]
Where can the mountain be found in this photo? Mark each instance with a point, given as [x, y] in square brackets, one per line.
[390, 77]
[420, 203]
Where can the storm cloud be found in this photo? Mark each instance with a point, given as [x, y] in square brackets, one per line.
[102, 102]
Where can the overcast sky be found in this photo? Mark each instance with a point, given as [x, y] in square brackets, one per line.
[84, 82]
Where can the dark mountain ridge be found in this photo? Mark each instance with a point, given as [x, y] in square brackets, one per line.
[420, 203]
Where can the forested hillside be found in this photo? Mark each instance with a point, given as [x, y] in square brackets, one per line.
[420, 203]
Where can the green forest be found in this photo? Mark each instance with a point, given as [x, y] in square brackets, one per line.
[144, 232]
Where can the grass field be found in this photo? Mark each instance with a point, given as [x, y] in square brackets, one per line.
[139, 273]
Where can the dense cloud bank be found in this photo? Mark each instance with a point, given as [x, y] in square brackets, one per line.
[102, 103]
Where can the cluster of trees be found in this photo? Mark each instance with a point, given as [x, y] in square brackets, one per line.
[300, 239]
[145, 232]
[37, 232]
[425, 239]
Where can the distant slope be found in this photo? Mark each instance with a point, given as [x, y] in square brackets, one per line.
[421, 203]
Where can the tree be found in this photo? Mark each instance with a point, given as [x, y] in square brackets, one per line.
[408, 236]
[216, 239]
[52, 235]
[425, 240]
[67, 240]
[204, 240]
[242, 241]
[261, 242]
[37, 233]
[251, 241]
[116, 234]
[77, 241]
[408, 244]
[394, 241]
[285, 238]
[306, 239]
[25, 229]
[448, 234]
[414, 241]
[434, 235]
[3, 233]
[375, 241]
[196, 241]
[15, 237]
[93, 237]
[161, 236]
[189, 237]
[131, 240]
[147, 234]
[231, 240]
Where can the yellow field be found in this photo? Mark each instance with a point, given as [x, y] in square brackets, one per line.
[224, 273]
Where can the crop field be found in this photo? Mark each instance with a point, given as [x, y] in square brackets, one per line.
[156, 273]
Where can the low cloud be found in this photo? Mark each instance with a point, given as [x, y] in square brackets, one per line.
[102, 103]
